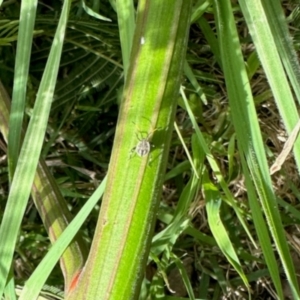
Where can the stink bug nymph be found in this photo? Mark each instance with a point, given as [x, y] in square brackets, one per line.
[143, 147]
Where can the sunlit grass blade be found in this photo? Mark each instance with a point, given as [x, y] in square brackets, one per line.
[50, 204]
[25, 37]
[126, 21]
[264, 38]
[36, 281]
[30, 152]
[249, 137]
[284, 42]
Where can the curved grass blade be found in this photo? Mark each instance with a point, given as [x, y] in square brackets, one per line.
[213, 204]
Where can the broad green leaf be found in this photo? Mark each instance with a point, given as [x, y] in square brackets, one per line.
[124, 230]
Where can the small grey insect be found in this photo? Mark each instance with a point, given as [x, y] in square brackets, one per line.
[143, 147]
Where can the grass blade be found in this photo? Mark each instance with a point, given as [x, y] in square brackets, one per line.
[249, 137]
[29, 156]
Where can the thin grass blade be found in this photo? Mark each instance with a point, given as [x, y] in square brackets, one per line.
[30, 152]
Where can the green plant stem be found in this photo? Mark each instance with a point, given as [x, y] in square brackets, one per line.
[120, 248]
